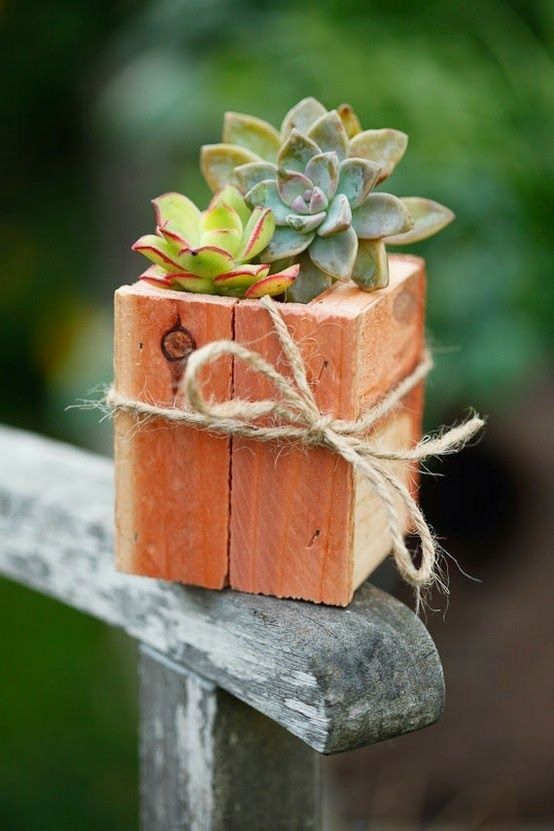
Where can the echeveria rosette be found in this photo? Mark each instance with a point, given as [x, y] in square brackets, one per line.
[323, 204]
[253, 152]
[248, 139]
[211, 252]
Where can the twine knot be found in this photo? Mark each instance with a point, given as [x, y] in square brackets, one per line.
[296, 416]
[320, 425]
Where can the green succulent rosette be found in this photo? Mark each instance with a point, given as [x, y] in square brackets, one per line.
[318, 176]
[213, 251]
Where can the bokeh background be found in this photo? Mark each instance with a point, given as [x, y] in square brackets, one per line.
[102, 107]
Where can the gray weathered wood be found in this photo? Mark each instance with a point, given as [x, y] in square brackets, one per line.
[336, 678]
[211, 763]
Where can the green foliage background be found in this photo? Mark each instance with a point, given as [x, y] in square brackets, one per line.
[104, 106]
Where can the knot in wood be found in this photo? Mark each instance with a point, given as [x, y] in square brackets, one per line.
[178, 343]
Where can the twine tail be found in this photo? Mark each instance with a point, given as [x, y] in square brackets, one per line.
[386, 485]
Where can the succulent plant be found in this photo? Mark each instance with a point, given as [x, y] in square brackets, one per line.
[323, 203]
[317, 175]
[212, 251]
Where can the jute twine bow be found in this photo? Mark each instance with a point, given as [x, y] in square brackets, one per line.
[298, 418]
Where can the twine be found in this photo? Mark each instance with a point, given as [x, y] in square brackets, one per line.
[298, 418]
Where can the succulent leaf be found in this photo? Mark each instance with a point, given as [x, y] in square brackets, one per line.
[274, 283]
[218, 161]
[249, 175]
[207, 261]
[381, 215]
[318, 201]
[193, 283]
[266, 195]
[291, 185]
[218, 217]
[323, 171]
[371, 268]
[356, 179]
[286, 243]
[174, 237]
[180, 213]
[159, 251]
[429, 218]
[300, 206]
[280, 265]
[338, 218]
[329, 134]
[178, 280]
[305, 224]
[310, 282]
[157, 276]
[349, 119]
[302, 116]
[296, 152]
[231, 197]
[257, 233]
[385, 147]
[241, 277]
[336, 255]
[253, 133]
[228, 239]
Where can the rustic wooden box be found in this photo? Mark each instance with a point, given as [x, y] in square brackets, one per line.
[285, 521]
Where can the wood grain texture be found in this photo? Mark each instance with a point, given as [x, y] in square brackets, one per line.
[303, 523]
[172, 484]
[211, 763]
[336, 678]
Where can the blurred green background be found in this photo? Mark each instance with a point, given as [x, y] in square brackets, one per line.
[105, 105]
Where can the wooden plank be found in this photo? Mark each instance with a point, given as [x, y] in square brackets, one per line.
[212, 763]
[172, 482]
[369, 520]
[336, 678]
[303, 525]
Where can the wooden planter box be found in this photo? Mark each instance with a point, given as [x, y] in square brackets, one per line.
[285, 521]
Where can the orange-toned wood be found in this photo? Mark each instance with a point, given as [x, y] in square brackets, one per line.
[283, 520]
[302, 523]
[172, 482]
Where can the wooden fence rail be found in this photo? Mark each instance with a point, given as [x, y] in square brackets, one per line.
[238, 693]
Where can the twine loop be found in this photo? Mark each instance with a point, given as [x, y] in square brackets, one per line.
[295, 416]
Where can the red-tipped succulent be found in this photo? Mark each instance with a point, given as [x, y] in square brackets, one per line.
[212, 251]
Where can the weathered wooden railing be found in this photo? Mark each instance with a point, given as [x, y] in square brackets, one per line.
[238, 694]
